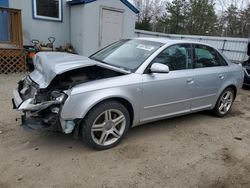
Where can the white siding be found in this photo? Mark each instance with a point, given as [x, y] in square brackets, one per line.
[90, 20]
[42, 29]
[80, 25]
[77, 22]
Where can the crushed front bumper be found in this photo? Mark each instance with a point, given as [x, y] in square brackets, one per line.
[33, 123]
[35, 116]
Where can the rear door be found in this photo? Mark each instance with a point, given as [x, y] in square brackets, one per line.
[210, 73]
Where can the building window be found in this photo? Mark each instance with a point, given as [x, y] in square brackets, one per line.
[47, 9]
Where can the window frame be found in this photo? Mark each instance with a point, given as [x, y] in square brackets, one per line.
[219, 56]
[222, 58]
[47, 18]
[147, 70]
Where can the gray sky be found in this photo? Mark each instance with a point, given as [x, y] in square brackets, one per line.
[222, 4]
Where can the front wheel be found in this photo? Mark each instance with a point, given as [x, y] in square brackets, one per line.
[105, 125]
[224, 102]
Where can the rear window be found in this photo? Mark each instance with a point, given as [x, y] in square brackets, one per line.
[206, 56]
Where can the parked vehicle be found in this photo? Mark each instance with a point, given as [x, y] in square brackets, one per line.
[128, 83]
[246, 66]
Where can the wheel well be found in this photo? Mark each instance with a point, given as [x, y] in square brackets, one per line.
[234, 88]
[123, 101]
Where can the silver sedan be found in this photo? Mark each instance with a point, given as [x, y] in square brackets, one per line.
[129, 83]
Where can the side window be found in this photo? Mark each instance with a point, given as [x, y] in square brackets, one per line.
[222, 60]
[207, 57]
[177, 57]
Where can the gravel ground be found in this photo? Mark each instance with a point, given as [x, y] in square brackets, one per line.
[197, 150]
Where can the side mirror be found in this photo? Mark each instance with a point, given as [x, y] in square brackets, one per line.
[159, 68]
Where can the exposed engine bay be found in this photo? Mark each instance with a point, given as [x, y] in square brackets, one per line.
[78, 76]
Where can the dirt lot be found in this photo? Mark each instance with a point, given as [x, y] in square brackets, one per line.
[192, 151]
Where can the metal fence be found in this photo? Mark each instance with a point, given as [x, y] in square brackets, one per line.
[234, 48]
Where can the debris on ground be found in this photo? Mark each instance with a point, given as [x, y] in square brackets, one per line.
[20, 178]
[237, 138]
[38, 164]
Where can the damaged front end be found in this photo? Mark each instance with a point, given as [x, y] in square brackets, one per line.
[41, 95]
[41, 108]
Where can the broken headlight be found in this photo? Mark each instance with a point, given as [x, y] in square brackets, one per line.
[58, 96]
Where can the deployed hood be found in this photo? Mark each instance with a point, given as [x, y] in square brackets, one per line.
[50, 64]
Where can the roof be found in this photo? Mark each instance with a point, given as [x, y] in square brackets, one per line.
[170, 41]
[162, 40]
[126, 2]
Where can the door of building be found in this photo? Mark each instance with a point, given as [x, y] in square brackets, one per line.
[110, 26]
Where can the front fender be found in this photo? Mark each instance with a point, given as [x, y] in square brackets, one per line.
[78, 105]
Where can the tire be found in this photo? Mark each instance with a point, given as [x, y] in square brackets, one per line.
[105, 125]
[224, 104]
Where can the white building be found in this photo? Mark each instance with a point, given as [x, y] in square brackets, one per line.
[87, 24]
[95, 24]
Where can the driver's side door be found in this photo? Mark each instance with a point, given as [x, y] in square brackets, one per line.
[169, 94]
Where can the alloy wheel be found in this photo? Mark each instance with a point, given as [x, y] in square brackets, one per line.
[226, 102]
[108, 127]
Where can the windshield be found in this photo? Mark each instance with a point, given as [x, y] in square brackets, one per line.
[127, 54]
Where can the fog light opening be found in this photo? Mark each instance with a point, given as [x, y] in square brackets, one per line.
[70, 125]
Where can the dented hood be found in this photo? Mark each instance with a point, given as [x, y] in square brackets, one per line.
[49, 64]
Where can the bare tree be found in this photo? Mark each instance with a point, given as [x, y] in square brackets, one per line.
[234, 17]
[150, 10]
[239, 4]
[202, 17]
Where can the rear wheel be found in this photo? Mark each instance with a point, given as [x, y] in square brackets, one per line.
[224, 102]
[105, 125]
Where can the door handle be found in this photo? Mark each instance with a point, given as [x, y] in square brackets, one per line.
[221, 76]
[190, 81]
